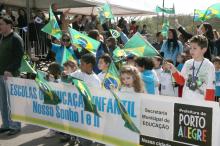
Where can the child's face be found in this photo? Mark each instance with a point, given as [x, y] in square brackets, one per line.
[85, 67]
[68, 70]
[217, 66]
[179, 59]
[196, 51]
[141, 69]
[102, 65]
[127, 79]
[156, 63]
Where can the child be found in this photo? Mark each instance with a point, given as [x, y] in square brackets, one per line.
[216, 62]
[181, 59]
[88, 61]
[167, 82]
[157, 60]
[131, 80]
[54, 74]
[86, 73]
[148, 75]
[104, 62]
[198, 73]
[69, 67]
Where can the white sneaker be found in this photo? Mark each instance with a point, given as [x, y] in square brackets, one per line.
[50, 134]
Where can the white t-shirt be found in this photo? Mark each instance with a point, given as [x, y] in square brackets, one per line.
[101, 76]
[127, 89]
[166, 82]
[91, 80]
[157, 82]
[206, 76]
[158, 71]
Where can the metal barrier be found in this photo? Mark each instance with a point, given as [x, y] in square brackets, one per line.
[37, 39]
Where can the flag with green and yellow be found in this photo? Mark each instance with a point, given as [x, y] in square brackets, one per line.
[83, 41]
[112, 77]
[52, 27]
[66, 56]
[212, 12]
[124, 114]
[86, 94]
[25, 65]
[140, 47]
[50, 97]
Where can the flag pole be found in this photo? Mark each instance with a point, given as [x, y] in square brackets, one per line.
[163, 12]
[193, 26]
[157, 22]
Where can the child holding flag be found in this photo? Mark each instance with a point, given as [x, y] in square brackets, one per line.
[131, 80]
[198, 73]
[104, 62]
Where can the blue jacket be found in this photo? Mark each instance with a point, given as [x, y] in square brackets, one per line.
[149, 81]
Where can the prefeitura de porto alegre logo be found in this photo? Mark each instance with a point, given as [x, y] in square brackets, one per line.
[193, 124]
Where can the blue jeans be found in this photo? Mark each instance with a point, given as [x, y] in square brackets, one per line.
[5, 107]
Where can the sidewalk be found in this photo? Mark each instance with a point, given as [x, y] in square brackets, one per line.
[30, 136]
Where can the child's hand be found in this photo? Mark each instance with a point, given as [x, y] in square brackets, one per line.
[170, 67]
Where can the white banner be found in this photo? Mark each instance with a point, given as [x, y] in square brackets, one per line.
[162, 121]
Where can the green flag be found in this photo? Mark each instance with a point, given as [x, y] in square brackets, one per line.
[212, 12]
[52, 27]
[50, 97]
[124, 114]
[105, 12]
[87, 96]
[25, 66]
[83, 41]
[112, 77]
[165, 28]
[66, 56]
[165, 10]
[114, 33]
[198, 15]
[118, 54]
[140, 47]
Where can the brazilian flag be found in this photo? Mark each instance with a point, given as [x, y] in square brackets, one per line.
[66, 56]
[140, 47]
[124, 114]
[114, 33]
[105, 13]
[52, 27]
[25, 65]
[87, 96]
[198, 15]
[212, 12]
[50, 97]
[112, 77]
[83, 41]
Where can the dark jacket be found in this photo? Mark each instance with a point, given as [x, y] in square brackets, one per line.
[11, 53]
